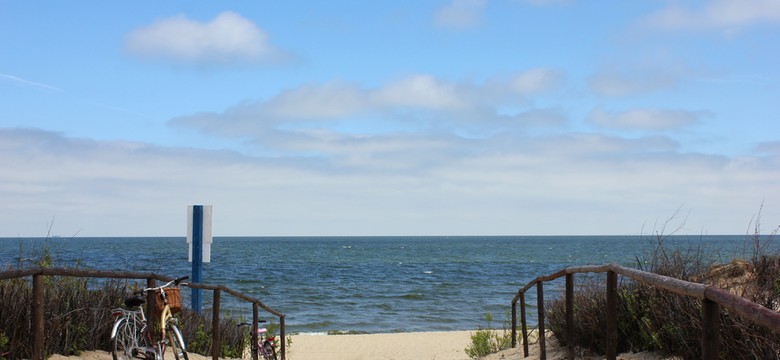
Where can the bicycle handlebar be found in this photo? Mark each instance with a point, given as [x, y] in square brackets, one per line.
[174, 282]
[247, 324]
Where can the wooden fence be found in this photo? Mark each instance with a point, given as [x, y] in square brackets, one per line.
[151, 279]
[712, 299]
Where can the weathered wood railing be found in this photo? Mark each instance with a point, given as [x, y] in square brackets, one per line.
[712, 298]
[37, 306]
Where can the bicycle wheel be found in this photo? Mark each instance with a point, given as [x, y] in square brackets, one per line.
[269, 353]
[176, 342]
[123, 343]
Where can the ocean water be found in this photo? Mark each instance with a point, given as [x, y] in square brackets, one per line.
[367, 284]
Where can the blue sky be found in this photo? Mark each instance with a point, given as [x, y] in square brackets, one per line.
[460, 117]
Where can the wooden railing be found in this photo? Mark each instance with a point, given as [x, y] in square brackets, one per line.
[712, 299]
[151, 278]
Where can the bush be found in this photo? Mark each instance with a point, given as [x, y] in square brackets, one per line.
[78, 316]
[198, 331]
[651, 319]
[486, 341]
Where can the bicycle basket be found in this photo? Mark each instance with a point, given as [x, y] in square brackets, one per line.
[174, 300]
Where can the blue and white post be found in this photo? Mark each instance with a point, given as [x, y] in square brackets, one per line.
[199, 237]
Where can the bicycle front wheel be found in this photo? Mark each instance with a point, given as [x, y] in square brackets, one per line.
[177, 343]
[269, 353]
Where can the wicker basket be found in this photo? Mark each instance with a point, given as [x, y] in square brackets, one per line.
[174, 300]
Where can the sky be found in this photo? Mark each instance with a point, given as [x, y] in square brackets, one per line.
[357, 118]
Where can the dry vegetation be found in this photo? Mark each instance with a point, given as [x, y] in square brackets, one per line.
[650, 319]
[78, 317]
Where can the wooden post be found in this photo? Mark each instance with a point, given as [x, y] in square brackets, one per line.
[570, 316]
[216, 343]
[151, 315]
[612, 318]
[514, 324]
[255, 321]
[282, 341]
[540, 306]
[524, 323]
[38, 350]
[710, 344]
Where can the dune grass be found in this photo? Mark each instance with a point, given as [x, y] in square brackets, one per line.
[78, 317]
[651, 319]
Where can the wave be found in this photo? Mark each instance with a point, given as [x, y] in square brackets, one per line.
[414, 296]
[318, 325]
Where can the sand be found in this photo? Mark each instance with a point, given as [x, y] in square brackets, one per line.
[448, 345]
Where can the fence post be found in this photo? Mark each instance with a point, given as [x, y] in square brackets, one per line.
[525, 324]
[514, 324]
[540, 306]
[38, 350]
[216, 342]
[612, 318]
[151, 314]
[255, 321]
[710, 345]
[282, 334]
[570, 316]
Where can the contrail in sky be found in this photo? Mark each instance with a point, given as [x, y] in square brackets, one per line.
[28, 82]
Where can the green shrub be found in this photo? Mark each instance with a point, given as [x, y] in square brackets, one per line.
[3, 344]
[198, 331]
[487, 340]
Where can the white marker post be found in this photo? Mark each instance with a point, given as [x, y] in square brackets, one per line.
[199, 237]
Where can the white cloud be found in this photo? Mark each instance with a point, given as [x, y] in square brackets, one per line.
[645, 119]
[420, 91]
[460, 14]
[391, 184]
[329, 101]
[772, 147]
[420, 101]
[616, 82]
[540, 117]
[228, 38]
[727, 15]
[537, 80]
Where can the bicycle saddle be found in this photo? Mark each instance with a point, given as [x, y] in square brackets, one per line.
[134, 301]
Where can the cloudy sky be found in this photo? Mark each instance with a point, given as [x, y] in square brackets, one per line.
[451, 117]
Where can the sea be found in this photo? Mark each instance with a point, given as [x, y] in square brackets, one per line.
[369, 284]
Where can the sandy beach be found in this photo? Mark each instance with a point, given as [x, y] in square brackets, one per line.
[447, 345]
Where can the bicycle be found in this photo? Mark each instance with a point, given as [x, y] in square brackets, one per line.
[265, 345]
[131, 337]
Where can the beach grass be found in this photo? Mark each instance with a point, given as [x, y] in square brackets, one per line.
[652, 319]
[78, 316]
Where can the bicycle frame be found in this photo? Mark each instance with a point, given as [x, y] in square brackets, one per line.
[137, 316]
[167, 316]
[136, 332]
[164, 318]
[264, 342]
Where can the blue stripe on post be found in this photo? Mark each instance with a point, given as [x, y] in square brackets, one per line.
[197, 256]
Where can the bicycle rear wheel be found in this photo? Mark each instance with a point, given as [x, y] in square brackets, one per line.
[176, 342]
[124, 342]
[269, 353]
